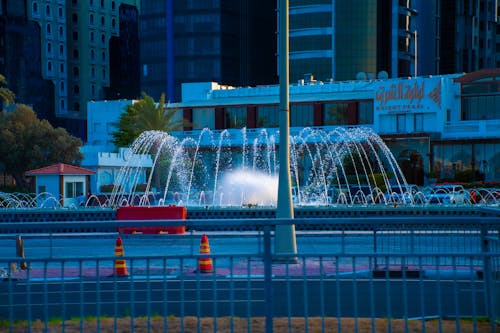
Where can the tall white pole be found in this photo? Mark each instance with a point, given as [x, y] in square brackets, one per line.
[285, 244]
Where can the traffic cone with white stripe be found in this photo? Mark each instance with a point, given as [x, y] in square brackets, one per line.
[205, 263]
[120, 264]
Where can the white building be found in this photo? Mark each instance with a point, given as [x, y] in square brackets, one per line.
[448, 124]
[102, 156]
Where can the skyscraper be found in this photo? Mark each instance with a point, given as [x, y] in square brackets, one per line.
[75, 50]
[230, 42]
[20, 59]
[352, 39]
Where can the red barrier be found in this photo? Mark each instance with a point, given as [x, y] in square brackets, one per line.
[152, 213]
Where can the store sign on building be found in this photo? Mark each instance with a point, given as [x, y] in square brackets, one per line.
[414, 95]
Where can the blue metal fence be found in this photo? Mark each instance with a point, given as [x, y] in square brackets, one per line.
[391, 274]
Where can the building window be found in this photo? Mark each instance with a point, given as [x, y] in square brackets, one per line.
[61, 68]
[93, 90]
[76, 106]
[268, 116]
[76, 71]
[61, 87]
[76, 89]
[113, 5]
[418, 122]
[102, 3]
[92, 36]
[401, 123]
[104, 73]
[113, 23]
[235, 117]
[301, 115]
[335, 114]
[482, 107]
[75, 35]
[92, 55]
[61, 32]
[60, 11]
[35, 7]
[103, 56]
[42, 189]
[62, 104]
[73, 189]
[203, 117]
[74, 17]
[103, 38]
[49, 66]
[49, 48]
[91, 19]
[61, 50]
[76, 54]
[92, 72]
[102, 20]
[47, 10]
[49, 30]
[365, 112]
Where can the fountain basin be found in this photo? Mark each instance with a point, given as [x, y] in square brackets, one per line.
[152, 213]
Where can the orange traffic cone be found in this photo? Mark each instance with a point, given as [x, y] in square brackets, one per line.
[205, 264]
[120, 264]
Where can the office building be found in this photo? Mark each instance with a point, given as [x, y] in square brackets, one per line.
[232, 42]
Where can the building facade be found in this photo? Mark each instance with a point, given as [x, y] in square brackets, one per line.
[100, 154]
[340, 40]
[438, 126]
[232, 42]
[70, 52]
[21, 61]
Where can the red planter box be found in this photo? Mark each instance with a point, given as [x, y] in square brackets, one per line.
[152, 213]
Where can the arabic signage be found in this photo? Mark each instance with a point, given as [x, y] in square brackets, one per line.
[414, 95]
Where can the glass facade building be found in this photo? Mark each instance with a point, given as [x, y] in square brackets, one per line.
[232, 42]
[338, 40]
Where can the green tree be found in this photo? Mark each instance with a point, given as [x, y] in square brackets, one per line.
[30, 143]
[145, 115]
[6, 95]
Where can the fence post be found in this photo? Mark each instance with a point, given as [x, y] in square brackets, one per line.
[488, 283]
[375, 263]
[268, 290]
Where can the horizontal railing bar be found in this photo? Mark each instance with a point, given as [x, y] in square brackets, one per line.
[367, 223]
[392, 255]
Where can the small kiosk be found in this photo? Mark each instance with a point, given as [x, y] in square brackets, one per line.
[62, 181]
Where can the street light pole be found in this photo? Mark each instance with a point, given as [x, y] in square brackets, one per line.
[285, 244]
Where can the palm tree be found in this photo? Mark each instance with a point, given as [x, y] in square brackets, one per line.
[145, 115]
[6, 95]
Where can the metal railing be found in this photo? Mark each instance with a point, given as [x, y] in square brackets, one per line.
[376, 274]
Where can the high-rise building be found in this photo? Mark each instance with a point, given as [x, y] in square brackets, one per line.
[66, 53]
[20, 59]
[344, 40]
[468, 35]
[227, 41]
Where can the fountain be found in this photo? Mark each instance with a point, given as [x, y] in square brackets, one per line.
[343, 172]
[239, 168]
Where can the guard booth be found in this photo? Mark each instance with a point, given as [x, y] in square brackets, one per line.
[172, 212]
[61, 181]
